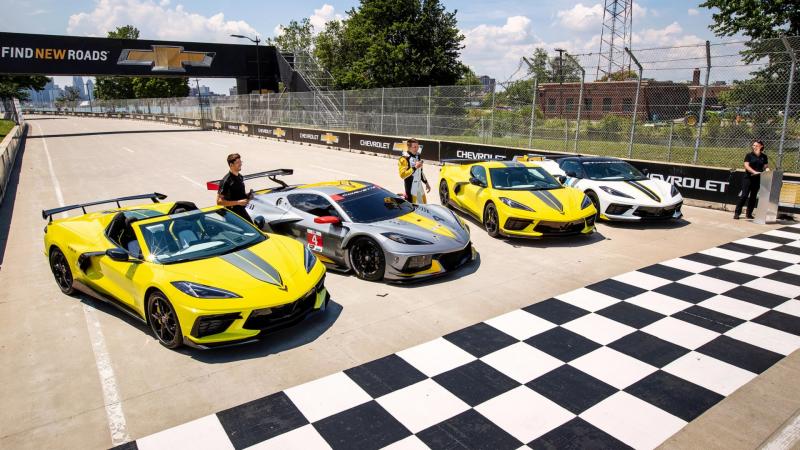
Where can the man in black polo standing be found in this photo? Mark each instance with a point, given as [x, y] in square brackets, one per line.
[755, 162]
[231, 193]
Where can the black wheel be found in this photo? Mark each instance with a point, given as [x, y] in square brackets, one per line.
[490, 220]
[164, 321]
[61, 271]
[367, 260]
[596, 202]
[444, 194]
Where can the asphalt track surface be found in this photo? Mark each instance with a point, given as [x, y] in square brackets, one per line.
[79, 374]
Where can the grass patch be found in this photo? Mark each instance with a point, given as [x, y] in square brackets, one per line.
[5, 128]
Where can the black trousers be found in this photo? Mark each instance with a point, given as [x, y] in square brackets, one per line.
[750, 187]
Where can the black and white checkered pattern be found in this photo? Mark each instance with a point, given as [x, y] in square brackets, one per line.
[626, 362]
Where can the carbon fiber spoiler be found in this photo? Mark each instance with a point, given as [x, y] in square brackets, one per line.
[48, 213]
[271, 174]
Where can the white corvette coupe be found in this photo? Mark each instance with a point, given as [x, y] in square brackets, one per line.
[618, 190]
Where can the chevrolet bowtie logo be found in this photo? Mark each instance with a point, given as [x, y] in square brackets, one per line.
[243, 128]
[279, 132]
[329, 138]
[165, 58]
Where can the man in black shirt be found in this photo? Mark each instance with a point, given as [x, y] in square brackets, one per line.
[231, 193]
[755, 162]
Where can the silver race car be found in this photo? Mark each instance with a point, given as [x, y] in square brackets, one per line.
[359, 226]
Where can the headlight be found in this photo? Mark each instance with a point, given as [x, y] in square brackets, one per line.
[675, 192]
[586, 202]
[515, 204]
[309, 258]
[612, 191]
[202, 291]
[403, 239]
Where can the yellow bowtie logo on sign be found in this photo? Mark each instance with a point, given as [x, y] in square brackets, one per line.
[329, 138]
[279, 132]
[243, 128]
[165, 58]
[217, 125]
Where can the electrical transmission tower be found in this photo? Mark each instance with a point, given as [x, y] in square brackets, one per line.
[615, 36]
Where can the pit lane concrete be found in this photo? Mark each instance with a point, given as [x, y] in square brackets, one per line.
[50, 386]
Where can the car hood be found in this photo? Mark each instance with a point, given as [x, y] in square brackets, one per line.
[564, 202]
[647, 191]
[432, 223]
[272, 264]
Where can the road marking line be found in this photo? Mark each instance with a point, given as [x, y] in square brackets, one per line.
[334, 170]
[193, 182]
[111, 399]
[128, 150]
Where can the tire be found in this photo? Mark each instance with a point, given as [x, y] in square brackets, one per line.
[367, 259]
[61, 271]
[163, 321]
[491, 221]
[596, 202]
[444, 194]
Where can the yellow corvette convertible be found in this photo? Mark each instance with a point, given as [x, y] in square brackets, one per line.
[200, 277]
[515, 198]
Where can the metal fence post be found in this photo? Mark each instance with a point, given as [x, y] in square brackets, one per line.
[702, 103]
[580, 102]
[669, 140]
[491, 118]
[344, 109]
[269, 111]
[533, 110]
[790, 50]
[429, 111]
[383, 93]
[635, 102]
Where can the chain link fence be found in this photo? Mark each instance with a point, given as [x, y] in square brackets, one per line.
[702, 103]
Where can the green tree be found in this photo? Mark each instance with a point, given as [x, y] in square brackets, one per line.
[107, 88]
[386, 43]
[12, 86]
[71, 94]
[297, 36]
[550, 70]
[468, 78]
[620, 75]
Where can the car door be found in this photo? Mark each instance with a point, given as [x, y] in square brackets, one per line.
[324, 239]
[120, 278]
[475, 196]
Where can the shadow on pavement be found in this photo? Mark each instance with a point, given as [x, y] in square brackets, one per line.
[7, 207]
[649, 225]
[100, 133]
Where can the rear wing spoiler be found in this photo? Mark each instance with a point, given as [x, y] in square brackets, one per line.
[271, 174]
[48, 213]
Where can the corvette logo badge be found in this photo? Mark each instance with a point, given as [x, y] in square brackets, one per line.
[165, 58]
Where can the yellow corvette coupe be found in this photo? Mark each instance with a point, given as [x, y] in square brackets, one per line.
[515, 198]
[200, 277]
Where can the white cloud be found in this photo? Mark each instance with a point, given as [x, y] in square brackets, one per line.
[156, 20]
[693, 12]
[322, 16]
[581, 18]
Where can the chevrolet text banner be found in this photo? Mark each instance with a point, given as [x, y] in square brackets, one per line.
[330, 138]
[458, 150]
[272, 131]
[389, 145]
[72, 55]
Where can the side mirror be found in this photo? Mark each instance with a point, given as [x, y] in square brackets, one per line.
[571, 174]
[333, 220]
[260, 222]
[476, 182]
[561, 178]
[646, 172]
[118, 254]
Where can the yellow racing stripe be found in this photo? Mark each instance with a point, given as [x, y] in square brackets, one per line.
[427, 224]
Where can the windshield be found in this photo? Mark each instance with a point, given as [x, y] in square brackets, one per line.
[198, 235]
[372, 204]
[612, 171]
[522, 178]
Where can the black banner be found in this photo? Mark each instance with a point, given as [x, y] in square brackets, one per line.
[458, 150]
[701, 183]
[329, 138]
[73, 55]
[388, 145]
[270, 131]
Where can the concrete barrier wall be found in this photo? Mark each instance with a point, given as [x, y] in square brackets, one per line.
[8, 155]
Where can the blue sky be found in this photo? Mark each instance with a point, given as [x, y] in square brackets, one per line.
[497, 33]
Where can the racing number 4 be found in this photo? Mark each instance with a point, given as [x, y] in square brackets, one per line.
[314, 240]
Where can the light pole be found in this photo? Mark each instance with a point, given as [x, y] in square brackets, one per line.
[258, 60]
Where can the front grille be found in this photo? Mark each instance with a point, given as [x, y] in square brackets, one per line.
[450, 261]
[615, 209]
[283, 315]
[213, 324]
[651, 212]
[513, 224]
[546, 227]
